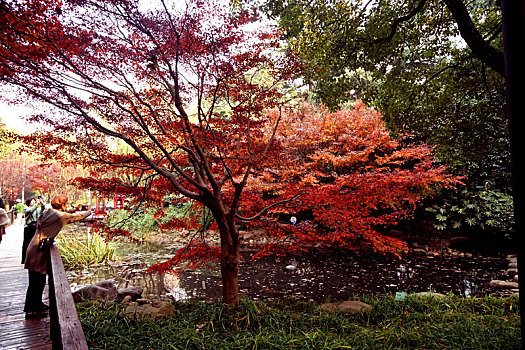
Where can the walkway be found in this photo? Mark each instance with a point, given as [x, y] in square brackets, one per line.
[15, 331]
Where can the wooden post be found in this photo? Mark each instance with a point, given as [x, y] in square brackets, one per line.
[513, 12]
[66, 330]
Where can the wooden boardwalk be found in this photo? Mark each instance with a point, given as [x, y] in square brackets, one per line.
[15, 331]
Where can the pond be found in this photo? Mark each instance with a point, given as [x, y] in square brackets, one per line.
[318, 276]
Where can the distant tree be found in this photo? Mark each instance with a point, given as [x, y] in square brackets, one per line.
[50, 180]
[12, 177]
[154, 81]
[5, 137]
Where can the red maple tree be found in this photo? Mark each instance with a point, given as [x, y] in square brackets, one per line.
[173, 95]
[22, 26]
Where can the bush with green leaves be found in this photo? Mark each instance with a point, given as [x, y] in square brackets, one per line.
[483, 209]
[142, 221]
[189, 209]
[138, 222]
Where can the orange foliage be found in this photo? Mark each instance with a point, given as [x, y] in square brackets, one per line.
[350, 176]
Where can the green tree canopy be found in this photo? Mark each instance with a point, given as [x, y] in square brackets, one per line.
[434, 68]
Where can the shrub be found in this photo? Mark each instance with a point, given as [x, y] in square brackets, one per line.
[483, 209]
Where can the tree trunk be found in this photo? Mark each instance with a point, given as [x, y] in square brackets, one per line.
[230, 274]
[230, 258]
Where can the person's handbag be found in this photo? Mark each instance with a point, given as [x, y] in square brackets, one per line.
[45, 244]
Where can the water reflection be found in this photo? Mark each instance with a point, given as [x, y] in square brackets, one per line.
[172, 284]
[469, 288]
[404, 274]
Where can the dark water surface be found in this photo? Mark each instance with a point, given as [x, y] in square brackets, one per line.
[318, 277]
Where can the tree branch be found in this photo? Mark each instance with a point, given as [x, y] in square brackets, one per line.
[265, 209]
[399, 20]
[489, 55]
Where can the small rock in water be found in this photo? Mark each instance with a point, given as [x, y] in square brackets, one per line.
[133, 292]
[503, 284]
[292, 266]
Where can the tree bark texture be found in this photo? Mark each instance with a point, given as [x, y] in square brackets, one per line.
[230, 257]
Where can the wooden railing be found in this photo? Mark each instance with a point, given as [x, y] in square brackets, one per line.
[66, 330]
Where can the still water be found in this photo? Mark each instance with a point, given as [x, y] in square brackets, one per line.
[317, 277]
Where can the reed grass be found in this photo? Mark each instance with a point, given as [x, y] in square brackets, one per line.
[414, 323]
[85, 250]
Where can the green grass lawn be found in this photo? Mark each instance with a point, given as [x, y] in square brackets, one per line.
[414, 323]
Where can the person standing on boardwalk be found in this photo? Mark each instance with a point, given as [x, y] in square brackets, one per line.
[32, 212]
[49, 225]
[19, 208]
[4, 219]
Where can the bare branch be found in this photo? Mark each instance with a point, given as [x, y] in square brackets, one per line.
[265, 209]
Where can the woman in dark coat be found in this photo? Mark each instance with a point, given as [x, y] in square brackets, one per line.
[48, 226]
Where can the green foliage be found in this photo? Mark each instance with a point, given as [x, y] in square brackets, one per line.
[189, 210]
[85, 250]
[139, 222]
[143, 221]
[484, 209]
[415, 323]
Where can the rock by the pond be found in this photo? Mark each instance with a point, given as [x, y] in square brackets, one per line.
[512, 258]
[107, 284]
[133, 292]
[429, 295]
[152, 310]
[349, 306]
[503, 284]
[107, 290]
[101, 290]
[459, 242]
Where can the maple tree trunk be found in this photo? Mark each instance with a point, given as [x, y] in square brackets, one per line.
[230, 274]
[230, 259]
